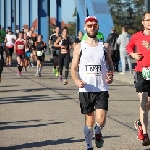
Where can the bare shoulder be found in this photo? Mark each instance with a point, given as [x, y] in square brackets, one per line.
[106, 46]
[77, 48]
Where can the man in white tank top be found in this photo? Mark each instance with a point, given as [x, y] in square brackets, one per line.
[92, 80]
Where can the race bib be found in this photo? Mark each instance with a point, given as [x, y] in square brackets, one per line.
[20, 46]
[93, 70]
[39, 53]
[146, 73]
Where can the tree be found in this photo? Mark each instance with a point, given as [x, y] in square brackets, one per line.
[72, 27]
[75, 12]
[127, 12]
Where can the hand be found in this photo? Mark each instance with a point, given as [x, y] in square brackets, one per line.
[79, 83]
[63, 47]
[146, 44]
[137, 56]
[109, 78]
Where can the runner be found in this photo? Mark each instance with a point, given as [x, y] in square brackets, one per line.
[1, 59]
[34, 38]
[52, 40]
[92, 81]
[27, 52]
[10, 41]
[142, 76]
[40, 46]
[19, 49]
[78, 39]
[31, 47]
[63, 43]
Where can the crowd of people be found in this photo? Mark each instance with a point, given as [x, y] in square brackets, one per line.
[30, 49]
[93, 65]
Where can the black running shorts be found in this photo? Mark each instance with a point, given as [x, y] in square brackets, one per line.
[141, 84]
[41, 58]
[21, 56]
[89, 101]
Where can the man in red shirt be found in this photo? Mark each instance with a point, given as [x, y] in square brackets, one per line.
[141, 40]
[19, 49]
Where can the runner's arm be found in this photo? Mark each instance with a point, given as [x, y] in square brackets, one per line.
[15, 47]
[108, 58]
[130, 47]
[75, 62]
[56, 44]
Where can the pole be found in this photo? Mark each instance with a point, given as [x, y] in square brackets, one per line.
[15, 16]
[147, 5]
[48, 24]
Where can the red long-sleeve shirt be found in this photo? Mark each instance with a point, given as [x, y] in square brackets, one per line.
[136, 41]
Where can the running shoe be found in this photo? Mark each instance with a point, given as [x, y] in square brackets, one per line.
[36, 74]
[54, 70]
[65, 82]
[19, 74]
[138, 127]
[90, 149]
[39, 74]
[146, 140]
[57, 73]
[60, 78]
[99, 141]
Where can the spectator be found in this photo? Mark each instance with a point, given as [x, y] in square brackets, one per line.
[112, 40]
[123, 40]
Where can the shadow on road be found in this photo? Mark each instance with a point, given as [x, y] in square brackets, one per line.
[42, 144]
[18, 126]
[30, 98]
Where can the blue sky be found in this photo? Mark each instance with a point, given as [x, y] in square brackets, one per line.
[67, 11]
[67, 6]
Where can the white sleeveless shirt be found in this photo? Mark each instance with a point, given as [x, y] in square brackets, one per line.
[92, 68]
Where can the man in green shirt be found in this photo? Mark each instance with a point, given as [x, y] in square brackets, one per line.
[2, 35]
[2, 38]
[99, 36]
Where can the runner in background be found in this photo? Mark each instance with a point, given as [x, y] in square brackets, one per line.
[19, 49]
[40, 47]
[52, 40]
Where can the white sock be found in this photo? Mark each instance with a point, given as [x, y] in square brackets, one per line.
[88, 132]
[37, 71]
[40, 69]
[98, 128]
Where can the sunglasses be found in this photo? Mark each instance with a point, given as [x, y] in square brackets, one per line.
[92, 25]
[146, 20]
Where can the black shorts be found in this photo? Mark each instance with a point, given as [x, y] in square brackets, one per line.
[41, 58]
[56, 53]
[21, 56]
[141, 84]
[10, 51]
[89, 101]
